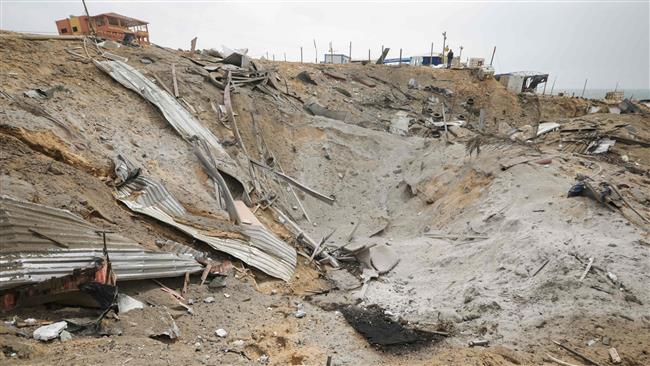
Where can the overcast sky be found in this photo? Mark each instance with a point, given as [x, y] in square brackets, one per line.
[605, 42]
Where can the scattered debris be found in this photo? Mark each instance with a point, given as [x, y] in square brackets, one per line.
[480, 342]
[221, 333]
[126, 303]
[613, 355]
[381, 330]
[49, 332]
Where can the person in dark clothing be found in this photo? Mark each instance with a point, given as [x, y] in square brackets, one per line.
[450, 56]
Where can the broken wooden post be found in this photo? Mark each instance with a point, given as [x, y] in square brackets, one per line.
[493, 52]
[613, 355]
[591, 261]
[175, 83]
[350, 52]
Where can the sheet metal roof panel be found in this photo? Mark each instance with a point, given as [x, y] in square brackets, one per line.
[28, 258]
[180, 119]
[265, 253]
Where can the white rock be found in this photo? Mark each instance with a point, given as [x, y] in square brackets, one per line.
[208, 300]
[300, 314]
[30, 321]
[221, 333]
[49, 332]
[126, 303]
[65, 336]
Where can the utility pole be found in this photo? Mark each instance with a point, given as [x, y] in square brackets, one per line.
[300, 54]
[431, 56]
[444, 42]
[553, 85]
[461, 52]
[331, 53]
[493, 52]
[400, 57]
[90, 23]
[350, 53]
[315, 50]
[583, 89]
[616, 88]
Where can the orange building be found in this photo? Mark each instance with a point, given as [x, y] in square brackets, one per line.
[111, 26]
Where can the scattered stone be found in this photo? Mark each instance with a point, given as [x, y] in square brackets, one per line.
[217, 283]
[300, 314]
[607, 341]
[49, 332]
[65, 336]
[146, 60]
[221, 333]
[126, 303]
[264, 359]
[190, 301]
[30, 321]
[209, 300]
[591, 342]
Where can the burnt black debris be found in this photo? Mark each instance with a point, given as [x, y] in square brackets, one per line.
[380, 330]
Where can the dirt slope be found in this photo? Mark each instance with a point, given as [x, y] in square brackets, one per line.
[400, 186]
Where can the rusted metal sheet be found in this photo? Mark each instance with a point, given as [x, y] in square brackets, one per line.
[27, 258]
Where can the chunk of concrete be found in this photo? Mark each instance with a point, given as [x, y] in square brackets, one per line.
[383, 258]
[49, 332]
[126, 303]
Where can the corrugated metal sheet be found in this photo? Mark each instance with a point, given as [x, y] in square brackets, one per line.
[40, 242]
[182, 121]
[263, 250]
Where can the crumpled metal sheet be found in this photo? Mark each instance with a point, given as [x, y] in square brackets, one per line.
[180, 119]
[34, 239]
[263, 250]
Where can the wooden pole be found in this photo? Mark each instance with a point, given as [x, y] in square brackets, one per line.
[493, 52]
[285, 57]
[316, 51]
[444, 43]
[461, 53]
[90, 23]
[274, 57]
[400, 57]
[583, 89]
[300, 54]
[350, 52]
[431, 56]
[368, 54]
[553, 85]
[544, 91]
[616, 87]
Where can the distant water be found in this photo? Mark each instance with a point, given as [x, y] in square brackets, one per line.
[600, 93]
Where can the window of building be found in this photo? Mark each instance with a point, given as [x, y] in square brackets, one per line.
[64, 30]
[112, 21]
[74, 29]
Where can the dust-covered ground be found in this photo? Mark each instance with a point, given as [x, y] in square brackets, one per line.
[505, 265]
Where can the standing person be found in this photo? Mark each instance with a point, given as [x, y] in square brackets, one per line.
[450, 56]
